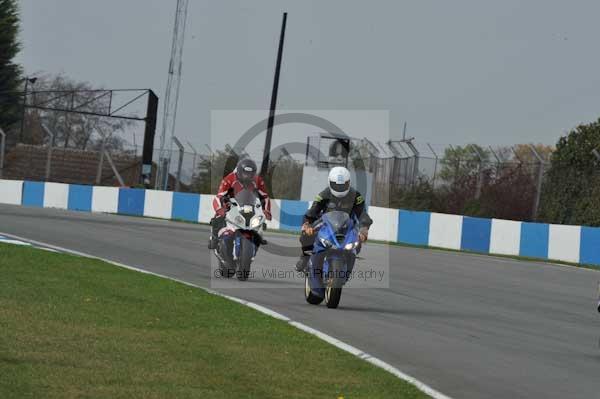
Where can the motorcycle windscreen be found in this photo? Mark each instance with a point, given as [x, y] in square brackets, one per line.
[338, 220]
[246, 200]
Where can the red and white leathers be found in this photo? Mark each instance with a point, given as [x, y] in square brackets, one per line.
[230, 186]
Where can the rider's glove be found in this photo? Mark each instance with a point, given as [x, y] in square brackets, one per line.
[363, 234]
[308, 229]
[267, 215]
[221, 211]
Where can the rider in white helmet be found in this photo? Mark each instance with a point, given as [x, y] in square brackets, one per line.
[338, 196]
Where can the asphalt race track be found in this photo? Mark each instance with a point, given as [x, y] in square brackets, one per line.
[470, 326]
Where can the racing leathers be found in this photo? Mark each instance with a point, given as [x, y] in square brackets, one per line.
[229, 187]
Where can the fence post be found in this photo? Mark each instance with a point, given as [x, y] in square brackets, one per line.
[414, 150]
[497, 161]
[179, 163]
[540, 179]
[101, 161]
[114, 168]
[50, 146]
[195, 157]
[479, 173]
[435, 165]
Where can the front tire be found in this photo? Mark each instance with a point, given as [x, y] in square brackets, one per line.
[333, 288]
[245, 258]
[333, 296]
[308, 294]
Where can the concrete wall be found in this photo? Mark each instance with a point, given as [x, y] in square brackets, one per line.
[577, 244]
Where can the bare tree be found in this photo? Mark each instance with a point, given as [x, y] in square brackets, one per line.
[72, 130]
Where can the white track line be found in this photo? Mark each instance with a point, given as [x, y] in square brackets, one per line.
[321, 335]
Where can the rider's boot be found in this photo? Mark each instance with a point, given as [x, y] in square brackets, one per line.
[213, 241]
[302, 264]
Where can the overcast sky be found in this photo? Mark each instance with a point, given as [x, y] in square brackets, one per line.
[491, 72]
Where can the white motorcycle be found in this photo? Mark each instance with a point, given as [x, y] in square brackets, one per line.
[238, 244]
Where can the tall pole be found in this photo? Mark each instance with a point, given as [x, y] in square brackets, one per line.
[149, 132]
[23, 112]
[179, 162]
[265, 162]
[540, 181]
[171, 98]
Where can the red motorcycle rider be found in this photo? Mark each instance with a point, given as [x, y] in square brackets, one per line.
[243, 177]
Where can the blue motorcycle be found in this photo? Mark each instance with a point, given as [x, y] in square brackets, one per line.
[332, 260]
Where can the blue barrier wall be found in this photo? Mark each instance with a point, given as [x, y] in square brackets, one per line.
[131, 201]
[413, 227]
[534, 240]
[186, 206]
[589, 250]
[80, 198]
[33, 193]
[407, 227]
[292, 214]
[476, 234]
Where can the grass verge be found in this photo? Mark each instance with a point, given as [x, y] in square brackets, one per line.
[77, 327]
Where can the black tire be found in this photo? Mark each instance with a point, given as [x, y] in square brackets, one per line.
[226, 263]
[245, 259]
[333, 296]
[333, 286]
[308, 294]
[226, 272]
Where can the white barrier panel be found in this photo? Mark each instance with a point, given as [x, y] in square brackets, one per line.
[564, 242]
[445, 231]
[505, 237]
[105, 199]
[158, 204]
[385, 224]
[275, 214]
[56, 195]
[206, 209]
[11, 192]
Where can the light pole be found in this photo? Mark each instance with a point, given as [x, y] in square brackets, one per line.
[27, 81]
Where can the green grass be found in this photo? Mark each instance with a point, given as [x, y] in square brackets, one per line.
[72, 327]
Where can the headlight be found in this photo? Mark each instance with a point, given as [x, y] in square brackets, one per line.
[255, 222]
[325, 242]
[351, 246]
[240, 221]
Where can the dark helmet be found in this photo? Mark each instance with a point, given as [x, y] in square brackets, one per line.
[245, 171]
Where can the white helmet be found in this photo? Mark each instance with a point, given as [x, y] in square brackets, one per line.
[339, 181]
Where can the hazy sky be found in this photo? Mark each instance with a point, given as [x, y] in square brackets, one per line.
[491, 72]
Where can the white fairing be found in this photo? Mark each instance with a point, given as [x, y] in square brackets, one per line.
[236, 221]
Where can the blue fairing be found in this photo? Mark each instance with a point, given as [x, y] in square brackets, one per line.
[327, 247]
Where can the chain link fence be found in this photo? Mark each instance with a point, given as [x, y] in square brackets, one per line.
[109, 160]
[502, 183]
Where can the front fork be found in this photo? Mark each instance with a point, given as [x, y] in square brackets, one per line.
[237, 242]
[319, 264]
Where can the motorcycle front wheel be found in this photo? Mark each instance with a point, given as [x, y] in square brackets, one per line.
[333, 288]
[245, 258]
